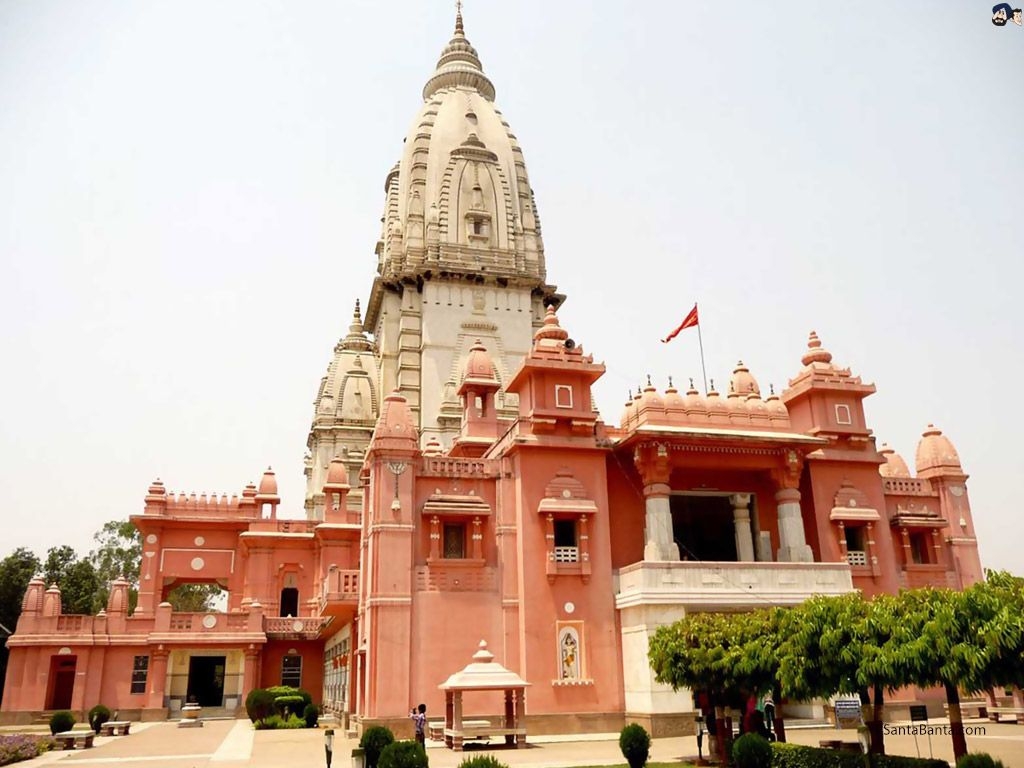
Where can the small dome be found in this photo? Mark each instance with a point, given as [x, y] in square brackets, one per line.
[815, 352]
[337, 474]
[433, 447]
[459, 65]
[715, 403]
[743, 382]
[775, 406]
[396, 420]
[693, 402]
[935, 451]
[628, 411]
[735, 401]
[673, 400]
[479, 364]
[268, 483]
[894, 465]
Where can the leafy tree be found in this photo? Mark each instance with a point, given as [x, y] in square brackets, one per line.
[77, 579]
[193, 598]
[119, 554]
[16, 571]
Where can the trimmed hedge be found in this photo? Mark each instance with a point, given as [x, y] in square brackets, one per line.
[62, 721]
[311, 714]
[373, 742]
[98, 715]
[752, 751]
[796, 756]
[403, 754]
[259, 704]
[979, 760]
[635, 744]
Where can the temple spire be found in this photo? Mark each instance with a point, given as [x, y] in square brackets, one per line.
[458, 19]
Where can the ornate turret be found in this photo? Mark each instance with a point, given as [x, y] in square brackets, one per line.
[460, 256]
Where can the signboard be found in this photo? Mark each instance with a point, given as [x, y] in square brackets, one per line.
[847, 713]
[918, 713]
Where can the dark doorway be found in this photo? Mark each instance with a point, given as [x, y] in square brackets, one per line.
[703, 528]
[62, 681]
[206, 680]
[289, 602]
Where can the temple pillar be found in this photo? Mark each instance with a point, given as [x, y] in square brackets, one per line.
[157, 678]
[660, 544]
[741, 521]
[249, 667]
[793, 547]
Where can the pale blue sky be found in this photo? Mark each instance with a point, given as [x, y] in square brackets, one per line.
[190, 194]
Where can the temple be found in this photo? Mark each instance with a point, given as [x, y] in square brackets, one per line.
[461, 486]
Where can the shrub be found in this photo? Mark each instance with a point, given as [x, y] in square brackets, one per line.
[17, 747]
[311, 714]
[795, 756]
[98, 715]
[62, 721]
[482, 761]
[751, 751]
[635, 743]
[276, 722]
[373, 742]
[290, 704]
[979, 760]
[259, 704]
[402, 754]
[287, 690]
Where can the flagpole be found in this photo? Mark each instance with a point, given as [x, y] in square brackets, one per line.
[703, 370]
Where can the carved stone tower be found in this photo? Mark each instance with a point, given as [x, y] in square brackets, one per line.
[460, 257]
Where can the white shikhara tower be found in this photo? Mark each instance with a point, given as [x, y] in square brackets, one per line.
[460, 259]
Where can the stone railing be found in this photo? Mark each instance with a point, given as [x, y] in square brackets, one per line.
[444, 466]
[294, 627]
[340, 585]
[907, 486]
[706, 585]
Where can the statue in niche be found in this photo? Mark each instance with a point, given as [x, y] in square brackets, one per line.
[570, 656]
[478, 302]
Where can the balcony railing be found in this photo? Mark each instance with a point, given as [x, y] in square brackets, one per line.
[340, 586]
[297, 627]
[567, 554]
[728, 584]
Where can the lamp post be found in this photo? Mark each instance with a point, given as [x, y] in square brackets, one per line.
[329, 745]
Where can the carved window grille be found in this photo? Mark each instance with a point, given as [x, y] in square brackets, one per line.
[140, 671]
[454, 541]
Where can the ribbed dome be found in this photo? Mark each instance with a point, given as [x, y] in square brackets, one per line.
[268, 483]
[936, 452]
[348, 391]
[479, 364]
[894, 465]
[459, 65]
[743, 382]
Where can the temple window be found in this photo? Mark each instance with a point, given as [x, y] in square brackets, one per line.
[563, 396]
[920, 548]
[566, 544]
[843, 414]
[856, 549]
[291, 670]
[140, 670]
[289, 601]
[454, 541]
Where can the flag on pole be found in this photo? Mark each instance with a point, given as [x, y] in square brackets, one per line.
[688, 322]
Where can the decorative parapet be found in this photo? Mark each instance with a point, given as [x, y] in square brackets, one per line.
[340, 586]
[728, 585]
[445, 466]
[907, 486]
[295, 628]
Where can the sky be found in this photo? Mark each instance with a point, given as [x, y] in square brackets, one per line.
[190, 194]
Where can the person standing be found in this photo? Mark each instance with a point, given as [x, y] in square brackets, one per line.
[419, 720]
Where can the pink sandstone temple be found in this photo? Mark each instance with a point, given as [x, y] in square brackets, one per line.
[461, 486]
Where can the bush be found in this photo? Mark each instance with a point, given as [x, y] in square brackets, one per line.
[311, 714]
[62, 721]
[373, 742]
[17, 747]
[795, 756]
[635, 743]
[290, 704]
[287, 690]
[482, 761]
[751, 751]
[276, 722]
[402, 754]
[259, 704]
[98, 715]
[979, 760]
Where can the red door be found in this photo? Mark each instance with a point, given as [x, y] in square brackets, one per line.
[62, 681]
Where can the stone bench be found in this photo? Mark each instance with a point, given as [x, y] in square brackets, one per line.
[115, 728]
[74, 739]
[435, 729]
[995, 712]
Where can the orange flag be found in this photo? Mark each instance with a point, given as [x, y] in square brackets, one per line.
[688, 322]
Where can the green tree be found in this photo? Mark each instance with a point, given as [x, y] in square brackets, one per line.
[16, 571]
[77, 579]
[119, 553]
[193, 598]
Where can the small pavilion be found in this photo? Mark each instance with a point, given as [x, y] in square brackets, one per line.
[484, 674]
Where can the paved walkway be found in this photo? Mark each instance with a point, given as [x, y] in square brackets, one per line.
[229, 743]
